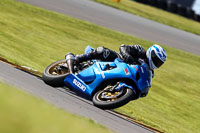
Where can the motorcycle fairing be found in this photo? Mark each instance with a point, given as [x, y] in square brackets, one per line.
[145, 81]
[122, 85]
[75, 82]
[100, 76]
[87, 75]
[89, 79]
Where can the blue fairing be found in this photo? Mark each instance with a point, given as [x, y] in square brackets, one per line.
[87, 75]
[89, 79]
[145, 75]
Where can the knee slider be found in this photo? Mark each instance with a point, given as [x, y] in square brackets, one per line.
[100, 50]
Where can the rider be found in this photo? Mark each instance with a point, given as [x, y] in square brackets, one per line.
[154, 57]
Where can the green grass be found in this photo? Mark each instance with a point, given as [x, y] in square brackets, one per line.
[155, 14]
[22, 113]
[35, 37]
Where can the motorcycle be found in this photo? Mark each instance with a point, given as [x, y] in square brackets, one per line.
[108, 84]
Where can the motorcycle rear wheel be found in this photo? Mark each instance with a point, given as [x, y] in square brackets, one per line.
[112, 100]
[54, 77]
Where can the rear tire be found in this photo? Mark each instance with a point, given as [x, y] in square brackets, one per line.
[52, 78]
[104, 103]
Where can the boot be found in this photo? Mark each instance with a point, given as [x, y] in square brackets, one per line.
[70, 59]
[85, 57]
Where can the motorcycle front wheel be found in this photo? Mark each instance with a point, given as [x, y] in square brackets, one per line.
[55, 73]
[109, 100]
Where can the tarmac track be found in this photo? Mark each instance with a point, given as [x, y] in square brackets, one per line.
[124, 22]
[68, 101]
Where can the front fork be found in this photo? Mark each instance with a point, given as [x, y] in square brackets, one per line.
[121, 85]
[115, 91]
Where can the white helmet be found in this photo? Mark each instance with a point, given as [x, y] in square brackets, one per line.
[156, 56]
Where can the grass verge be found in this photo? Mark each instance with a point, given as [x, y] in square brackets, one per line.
[34, 37]
[22, 113]
[155, 14]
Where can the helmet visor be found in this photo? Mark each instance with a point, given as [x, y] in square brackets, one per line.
[156, 61]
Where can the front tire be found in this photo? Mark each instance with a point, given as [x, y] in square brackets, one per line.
[112, 100]
[54, 77]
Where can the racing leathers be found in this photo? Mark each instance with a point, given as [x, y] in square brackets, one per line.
[128, 53]
[131, 53]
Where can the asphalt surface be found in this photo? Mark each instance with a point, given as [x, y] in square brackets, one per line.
[67, 100]
[124, 22]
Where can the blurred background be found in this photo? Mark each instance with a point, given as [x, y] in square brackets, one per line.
[186, 8]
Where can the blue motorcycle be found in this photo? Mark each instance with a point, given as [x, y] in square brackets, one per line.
[108, 84]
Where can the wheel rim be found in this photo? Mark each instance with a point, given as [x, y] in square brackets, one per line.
[111, 96]
[59, 68]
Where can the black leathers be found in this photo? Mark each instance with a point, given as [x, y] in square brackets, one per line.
[128, 53]
[101, 53]
[131, 53]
